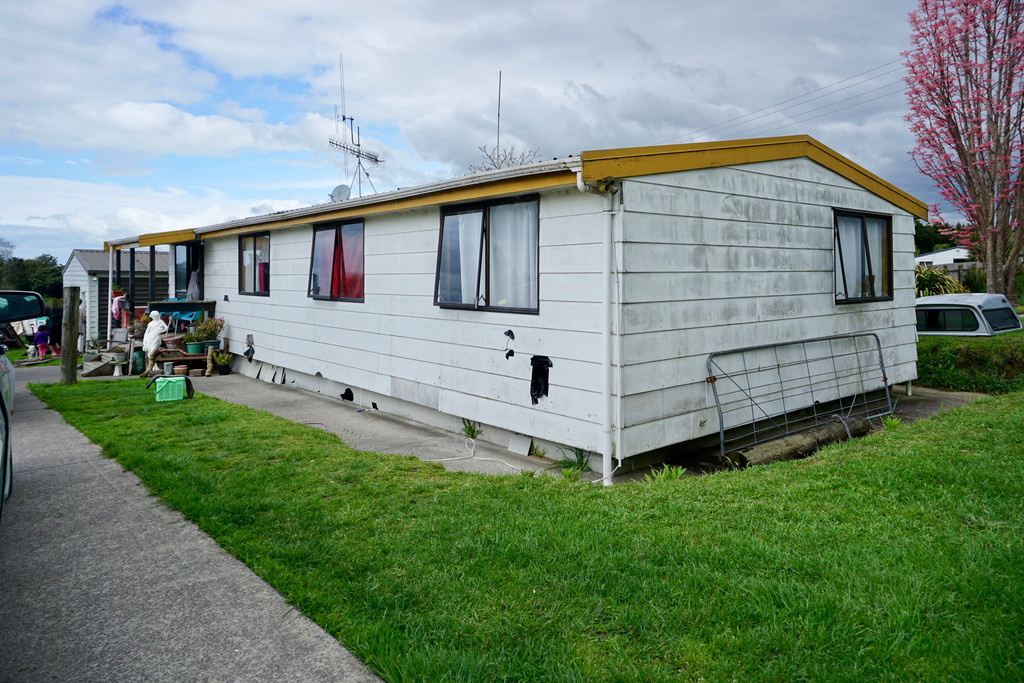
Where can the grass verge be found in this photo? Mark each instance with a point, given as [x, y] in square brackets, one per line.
[895, 557]
[992, 365]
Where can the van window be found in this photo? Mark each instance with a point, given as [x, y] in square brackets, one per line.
[946, 320]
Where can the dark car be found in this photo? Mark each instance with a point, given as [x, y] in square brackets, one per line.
[13, 306]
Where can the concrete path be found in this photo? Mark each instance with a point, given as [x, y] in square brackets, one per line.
[100, 582]
[367, 429]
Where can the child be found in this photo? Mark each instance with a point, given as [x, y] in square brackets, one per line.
[42, 340]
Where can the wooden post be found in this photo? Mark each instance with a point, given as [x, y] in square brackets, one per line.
[69, 337]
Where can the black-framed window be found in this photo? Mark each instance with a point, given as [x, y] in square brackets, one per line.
[336, 265]
[863, 256]
[254, 264]
[487, 256]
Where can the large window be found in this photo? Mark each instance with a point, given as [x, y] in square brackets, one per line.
[254, 264]
[336, 267]
[863, 257]
[487, 257]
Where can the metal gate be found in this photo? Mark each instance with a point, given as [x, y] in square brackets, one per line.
[765, 392]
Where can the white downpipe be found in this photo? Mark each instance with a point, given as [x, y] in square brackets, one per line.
[606, 339]
[606, 324]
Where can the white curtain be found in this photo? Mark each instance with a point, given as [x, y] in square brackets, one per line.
[850, 257]
[513, 255]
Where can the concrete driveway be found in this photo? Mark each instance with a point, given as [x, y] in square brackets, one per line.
[101, 582]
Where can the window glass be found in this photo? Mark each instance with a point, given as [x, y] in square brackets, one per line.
[863, 257]
[180, 270]
[322, 263]
[1002, 319]
[460, 258]
[254, 264]
[946, 320]
[336, 267]
[487, 257]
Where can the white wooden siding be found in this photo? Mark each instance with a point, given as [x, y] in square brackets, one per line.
[397, 344]
[724, 258]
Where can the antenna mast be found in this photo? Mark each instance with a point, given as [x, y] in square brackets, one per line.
[497, 142]
[354, 146]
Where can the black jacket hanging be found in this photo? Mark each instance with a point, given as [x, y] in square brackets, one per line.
[539, 381]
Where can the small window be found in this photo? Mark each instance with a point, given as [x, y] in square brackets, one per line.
[946, 320]
[1002, 319]
[336, 267]
[254, 264]
[487, 257]
[863, 257]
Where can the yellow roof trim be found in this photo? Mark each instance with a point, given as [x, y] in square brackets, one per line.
[154, 238]
[639, 161]
[528, 183]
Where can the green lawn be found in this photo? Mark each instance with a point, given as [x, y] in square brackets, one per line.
[899, 556]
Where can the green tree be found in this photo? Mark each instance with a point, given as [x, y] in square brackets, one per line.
[927, 237]
[42, 274]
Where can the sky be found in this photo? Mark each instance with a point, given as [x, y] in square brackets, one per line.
[132, 117]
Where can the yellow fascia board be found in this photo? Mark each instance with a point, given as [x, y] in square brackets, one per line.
[640, 161]
[467, 193]
[170, 237]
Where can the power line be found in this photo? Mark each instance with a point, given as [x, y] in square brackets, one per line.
[743, 119]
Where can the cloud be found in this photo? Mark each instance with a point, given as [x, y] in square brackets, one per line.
[239, 96]
[104, 211]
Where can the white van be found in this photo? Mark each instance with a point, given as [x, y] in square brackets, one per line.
[966, 315]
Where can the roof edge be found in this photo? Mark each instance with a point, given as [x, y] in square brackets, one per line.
[640, 161]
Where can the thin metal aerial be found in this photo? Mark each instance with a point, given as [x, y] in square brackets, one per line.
[353, 147]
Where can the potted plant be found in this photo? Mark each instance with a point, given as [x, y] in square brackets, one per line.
[192, 344]
[208, 331]
[118, 354]
[138, 327]
[222, 359]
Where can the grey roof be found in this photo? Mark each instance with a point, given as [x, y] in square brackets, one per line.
[98, 260]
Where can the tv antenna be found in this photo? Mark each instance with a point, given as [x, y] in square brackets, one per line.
[353, 147]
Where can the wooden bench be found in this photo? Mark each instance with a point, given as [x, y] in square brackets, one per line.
[179, 357]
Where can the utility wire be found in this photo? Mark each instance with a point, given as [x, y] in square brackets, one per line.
[800, 117]
[774, 108]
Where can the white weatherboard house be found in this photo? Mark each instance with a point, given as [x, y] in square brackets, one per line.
[618, 273]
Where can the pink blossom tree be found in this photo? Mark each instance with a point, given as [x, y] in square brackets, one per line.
[965, 88]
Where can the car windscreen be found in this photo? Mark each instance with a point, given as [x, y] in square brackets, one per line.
[1002, 319]
[946, 320]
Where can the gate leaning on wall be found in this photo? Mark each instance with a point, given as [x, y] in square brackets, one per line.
[766, 392]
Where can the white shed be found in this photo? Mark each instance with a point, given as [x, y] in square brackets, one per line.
[89, 270]
[944, 257]
[616, 274]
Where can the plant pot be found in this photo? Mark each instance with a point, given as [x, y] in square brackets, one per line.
[195, 348]
[211, 344]
[223, 369]
[117, 357]
[173, 342]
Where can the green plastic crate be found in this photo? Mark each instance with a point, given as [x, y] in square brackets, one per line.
[170, 388]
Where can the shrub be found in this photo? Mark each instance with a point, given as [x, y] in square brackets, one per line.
[928, 281]
[975, 280]
[992, 365]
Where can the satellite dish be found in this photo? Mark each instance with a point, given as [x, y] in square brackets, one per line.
[341, 193]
